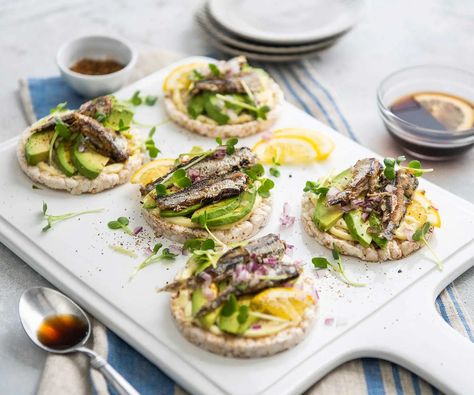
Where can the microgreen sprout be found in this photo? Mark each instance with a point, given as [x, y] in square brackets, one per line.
[420, 235]
[413, 167]
[255, 172]
[203, 223]
[316, 188]
[199, 244]
[260, 112]
[154, 257]
[52, 219]
[100, 116]
[122, 127]
[120, 223]
[229, 307]
[229, 144]
[61, 107]
[196, 76]
[274, 169]
[33, 186]
[150, 100]
[150, 146]
[136, 100]
[214, 70]
[264, 189]
[323, 263]
[243, 314]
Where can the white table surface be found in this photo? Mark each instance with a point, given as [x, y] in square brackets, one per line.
[392, 35]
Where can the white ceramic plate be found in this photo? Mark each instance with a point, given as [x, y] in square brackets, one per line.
[216, 32]
[286, 22]
[392, 317]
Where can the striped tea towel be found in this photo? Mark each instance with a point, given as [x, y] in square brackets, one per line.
[70, 374]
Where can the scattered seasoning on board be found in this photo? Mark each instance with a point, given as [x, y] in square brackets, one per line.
[96, 66]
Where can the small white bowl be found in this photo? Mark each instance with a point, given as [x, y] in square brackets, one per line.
[96, 47]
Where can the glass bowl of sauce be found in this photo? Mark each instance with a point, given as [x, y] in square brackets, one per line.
[429, 110]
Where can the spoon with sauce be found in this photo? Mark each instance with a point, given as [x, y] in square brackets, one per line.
[57, 324]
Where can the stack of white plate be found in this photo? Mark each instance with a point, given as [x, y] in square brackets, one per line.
[274, 30]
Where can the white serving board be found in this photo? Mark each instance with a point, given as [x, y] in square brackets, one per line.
[394, 312]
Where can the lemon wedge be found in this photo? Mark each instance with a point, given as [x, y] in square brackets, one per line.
[152, 170]
[178, 78]
[454, 113]
[283, 302]
[293, 146]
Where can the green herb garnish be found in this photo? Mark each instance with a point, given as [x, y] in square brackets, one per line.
[214, 70]
[413, 167]
[229, 307]
[323, 263]
[160, 190]
[33, 186]
[120, 223]
[122, 127]
[154, 257]
[197, 76]
[264, 189]
[180, 179]
[420, 235]
[274, 169]
[150, 100]
[229, 144]
[316, 188]
[256, 171]
[199, 244]
[61, 107]
[259, 112]
[52, 219]
[150, 146]
[243, 314]
[136, 100]
[100, 116]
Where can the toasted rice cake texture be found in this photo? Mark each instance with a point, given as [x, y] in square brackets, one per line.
[76, 184]
[395, 249]
[237, 130]
[244, 347]
[241, 231]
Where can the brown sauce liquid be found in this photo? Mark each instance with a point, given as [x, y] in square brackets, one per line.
[410, 110]
[96, 66]
[62, 331]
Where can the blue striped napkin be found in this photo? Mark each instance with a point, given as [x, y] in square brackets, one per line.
[304, 88]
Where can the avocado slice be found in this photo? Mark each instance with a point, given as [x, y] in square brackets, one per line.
[212, 109]
[37, 147]
[231, 324]
[182, 213]
[216, 210]
[89, 163]
[64, 158]
[198, 300]
[149, 201]
[325, 217]
[246, 201]
[374, 222]
[357, 227]
[119, 114]
[341, 180]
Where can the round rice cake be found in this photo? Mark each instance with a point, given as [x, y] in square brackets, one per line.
[239, 231]
[395, 249]
[230, 130]
[53, 178]
[245, 347]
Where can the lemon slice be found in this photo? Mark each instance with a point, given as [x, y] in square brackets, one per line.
[432, 213]
[323, 143]
[454, 113]
[283, 302]
[152, 170]
[178, 78]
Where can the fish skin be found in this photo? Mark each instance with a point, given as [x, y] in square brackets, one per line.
[283, 274]
[228, 84]
[395, 205]
[211, 166]
[66, 117]
[258, 249]
[207, 191]
[106, 141]
[365, 176]
[99, 105]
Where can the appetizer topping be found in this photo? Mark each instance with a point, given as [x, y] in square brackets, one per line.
[82, 141]
[122, 224]
[52, 219]
[368, 203]
[245, 289]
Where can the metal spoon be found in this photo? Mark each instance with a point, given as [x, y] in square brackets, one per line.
[39, 303]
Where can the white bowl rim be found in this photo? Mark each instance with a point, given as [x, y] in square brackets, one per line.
[67, 70]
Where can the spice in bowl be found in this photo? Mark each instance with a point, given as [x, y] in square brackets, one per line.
[96, 66]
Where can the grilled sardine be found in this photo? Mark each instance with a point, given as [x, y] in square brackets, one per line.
[207, 191]
[233, 84]
[100, 105]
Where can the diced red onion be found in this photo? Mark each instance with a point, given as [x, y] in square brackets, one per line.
[329, 321]
[289, 249]
[270, 261]
[206, 277]
[365, 215]
[267, 136]
[81, 148]
[208, 293]
[137, 230]
[256, 326]
[219, 153]
[175, 249]
[286, 220]
[298, 263]
[194, 175]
